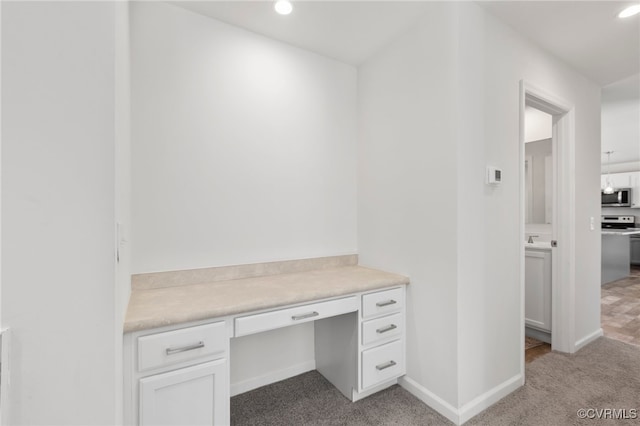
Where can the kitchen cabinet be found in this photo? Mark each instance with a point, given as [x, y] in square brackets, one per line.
[538, 289]
[634, 184]
[625, 180]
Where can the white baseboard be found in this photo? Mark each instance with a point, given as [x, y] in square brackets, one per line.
[5, 375]
[487, 399]
[586, 340]
[470, 409]
[430, 398]
[272, 377]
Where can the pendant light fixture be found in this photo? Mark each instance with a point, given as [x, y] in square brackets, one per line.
[608, 189]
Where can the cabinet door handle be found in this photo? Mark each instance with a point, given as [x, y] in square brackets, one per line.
[385, 365]
[387, 328]
[386, 303]
[171, 351]
[303, 316]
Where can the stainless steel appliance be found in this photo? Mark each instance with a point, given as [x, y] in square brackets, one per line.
[618, 247]
[621, 197]
[618, 222]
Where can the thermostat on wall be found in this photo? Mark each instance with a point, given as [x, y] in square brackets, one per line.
[494, 175]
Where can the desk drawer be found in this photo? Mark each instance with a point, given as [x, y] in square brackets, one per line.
[382, 302]
[291, 316]
[382, 363]
[381, 329]
[191, 343]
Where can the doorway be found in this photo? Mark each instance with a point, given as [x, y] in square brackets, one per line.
[539, 191]
[558, 210]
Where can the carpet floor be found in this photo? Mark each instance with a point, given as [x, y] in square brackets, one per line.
[605, 374]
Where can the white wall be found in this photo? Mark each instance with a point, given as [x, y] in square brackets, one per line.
[425, 210]
[491, 346]
[58, 210]
[537, 124]
[122, 200]
[244, 148]
[620, 128]
[406, 188]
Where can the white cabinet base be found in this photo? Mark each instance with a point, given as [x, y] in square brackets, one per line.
[537, 298]
[195, 395]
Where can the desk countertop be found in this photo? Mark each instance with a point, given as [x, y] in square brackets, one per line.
[175, 305]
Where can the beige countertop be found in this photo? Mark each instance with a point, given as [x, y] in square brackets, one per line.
[151, 308]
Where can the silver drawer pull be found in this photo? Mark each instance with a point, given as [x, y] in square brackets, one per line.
[386, 303]
[303, 316]
[385, 365]
[387, 328]
[171, 351]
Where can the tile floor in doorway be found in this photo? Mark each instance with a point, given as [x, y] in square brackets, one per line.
[621, 308]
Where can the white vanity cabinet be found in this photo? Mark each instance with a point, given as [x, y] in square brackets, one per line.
[538, 289]
[177, 376]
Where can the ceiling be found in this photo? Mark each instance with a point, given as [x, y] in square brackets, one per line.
[585, 34]
[349, 31]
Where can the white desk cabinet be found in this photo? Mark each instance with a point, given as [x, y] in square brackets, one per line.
[187, 396]
[537, 283]
[177, 376]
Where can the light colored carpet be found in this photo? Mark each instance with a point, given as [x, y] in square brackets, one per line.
[605, 374]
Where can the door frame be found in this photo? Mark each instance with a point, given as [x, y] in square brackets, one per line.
[563, 256]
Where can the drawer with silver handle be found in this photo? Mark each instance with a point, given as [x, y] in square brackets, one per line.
[381, 329]
[382, 302]
[297, 315]
[177, 346]
[382, 363]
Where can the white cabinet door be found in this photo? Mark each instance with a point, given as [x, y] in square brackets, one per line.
[537, 297]
[618, 180]
[195, 395]
[634, 184]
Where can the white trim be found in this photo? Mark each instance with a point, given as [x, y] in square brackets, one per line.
[357, 396]
[587, 339]
[463, 414]
[563, 273]
[430, 398]
[487, 399]
[521, 222]
[272, 377]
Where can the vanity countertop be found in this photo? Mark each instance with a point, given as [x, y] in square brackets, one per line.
[158, 307]
[538, 245]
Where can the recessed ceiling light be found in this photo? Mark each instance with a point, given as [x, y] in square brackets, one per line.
[283, 7]
[630, 11]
